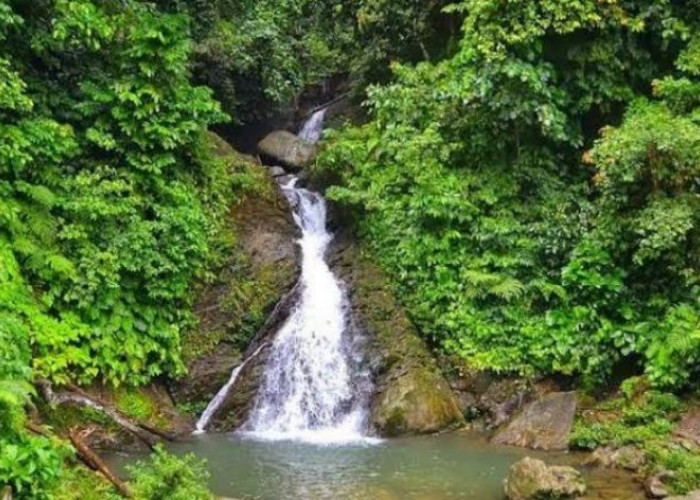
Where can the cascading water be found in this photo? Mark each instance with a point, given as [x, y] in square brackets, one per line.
[312, 129]
[312, 389]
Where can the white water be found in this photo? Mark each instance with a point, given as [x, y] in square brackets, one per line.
[312, 389]
[220, 396]
[312, 129]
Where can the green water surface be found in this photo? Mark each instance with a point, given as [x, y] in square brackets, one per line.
[445, 467]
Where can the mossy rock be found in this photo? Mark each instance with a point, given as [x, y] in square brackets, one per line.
[262, 267]
[411, 396]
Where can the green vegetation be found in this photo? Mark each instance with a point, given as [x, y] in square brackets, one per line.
[646, 420]
[167, 477]
[527, 176]
[521, 238]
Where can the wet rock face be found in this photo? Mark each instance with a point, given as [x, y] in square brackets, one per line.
[488, 399]
[287, 149]
[411, 395]
[544, 424]
[263, 269]
[531, 479]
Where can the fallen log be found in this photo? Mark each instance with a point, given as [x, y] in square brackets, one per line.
[78, 396]
[92, 460]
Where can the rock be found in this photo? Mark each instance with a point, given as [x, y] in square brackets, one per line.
[693, 495]
[277, 171]
[656, 485]
[544, 424]
[688, 428]
[531, 479]
[628, 457]
[206, 374]
[287, 149]
[503, 398]
[485, 396]
[247, 289]
[411, 395]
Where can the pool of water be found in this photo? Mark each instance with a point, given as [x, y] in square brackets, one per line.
[445, 467]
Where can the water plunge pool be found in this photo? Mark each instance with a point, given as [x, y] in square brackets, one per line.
[448, 466]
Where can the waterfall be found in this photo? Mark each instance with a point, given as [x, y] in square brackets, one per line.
[312, 388]
[312, 129]
[220, 396]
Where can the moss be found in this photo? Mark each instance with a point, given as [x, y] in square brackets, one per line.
[235, 302]
[135, 404]
[645, 419]
[66, 416]
[80, 483]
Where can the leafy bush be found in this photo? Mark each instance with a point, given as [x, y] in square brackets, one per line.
[167, 477]
[519, 238]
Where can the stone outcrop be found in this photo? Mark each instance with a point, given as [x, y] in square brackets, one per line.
[287, 149]
[531, 479]
[628, 458]
[411, 395]
[486, 399]
[657, 485]
[688, 429]
[544, 424]
[247, 289]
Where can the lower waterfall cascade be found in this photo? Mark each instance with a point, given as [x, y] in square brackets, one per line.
[313, 386]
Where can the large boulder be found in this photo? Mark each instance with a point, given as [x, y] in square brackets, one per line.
[287, 149]
[411, 395]
[532, 479]
[544, 424]
[246, 290]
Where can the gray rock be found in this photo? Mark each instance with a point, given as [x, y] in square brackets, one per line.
[628, 457]
[689, 427]
[277, 171]
[656, 485]
[503, 398]
[288, 149]
[532, 479]
[544, 424]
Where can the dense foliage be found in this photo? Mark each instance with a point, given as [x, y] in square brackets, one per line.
[522, 238]
[109, 205]
[530, 180]
[261, 55]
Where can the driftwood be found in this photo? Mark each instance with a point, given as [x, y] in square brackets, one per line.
[92, 460]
